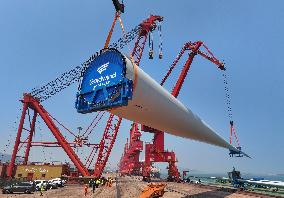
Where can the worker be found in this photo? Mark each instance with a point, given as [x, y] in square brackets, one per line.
[41, 190]
[97, 183]
[85, 189]
[91, 183]
[103, 181]
[94, 185]
[110, 182]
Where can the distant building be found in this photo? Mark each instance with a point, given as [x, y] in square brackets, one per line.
[43, 171]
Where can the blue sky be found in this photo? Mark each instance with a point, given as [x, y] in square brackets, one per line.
[42, 39]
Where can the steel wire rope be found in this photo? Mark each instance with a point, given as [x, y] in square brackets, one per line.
[160, 40]
[75, 75]
[68, 130]
[91, 130]
[41, 139]
[229, 108]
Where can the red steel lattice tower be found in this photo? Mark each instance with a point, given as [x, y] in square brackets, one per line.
[129, 162]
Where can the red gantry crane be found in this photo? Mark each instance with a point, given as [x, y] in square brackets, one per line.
[32, 102]
[129, 162]
[155, 152]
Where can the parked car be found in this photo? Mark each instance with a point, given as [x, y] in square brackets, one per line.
[21, 187]
[58, 181]
[39, 183]
[52, 185]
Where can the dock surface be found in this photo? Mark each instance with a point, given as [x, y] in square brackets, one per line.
[131, 187]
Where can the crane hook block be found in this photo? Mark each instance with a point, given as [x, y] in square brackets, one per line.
[104, 84]
[119, 7]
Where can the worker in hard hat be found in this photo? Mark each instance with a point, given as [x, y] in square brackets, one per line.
[41, 190]
[98, 182]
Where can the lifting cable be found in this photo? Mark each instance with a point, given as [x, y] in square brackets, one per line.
[62, 125]
[111, 30]
[151, 46]
[96, 121]
[160, 40]
[173, 65]
[91, 130]
[90, 158]
[229, 109]
[125, 36]
[75, 75]
[22, 144]
[43, 148]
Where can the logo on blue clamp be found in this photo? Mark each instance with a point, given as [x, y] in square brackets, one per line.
[102, 68]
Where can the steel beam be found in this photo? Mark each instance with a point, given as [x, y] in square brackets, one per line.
[17, 141]
[32, 130]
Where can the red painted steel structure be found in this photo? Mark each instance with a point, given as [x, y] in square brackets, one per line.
[31, 103]
[155, 151]
[129, 162]
[147, 26]
[30, 137]
[105, 146]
